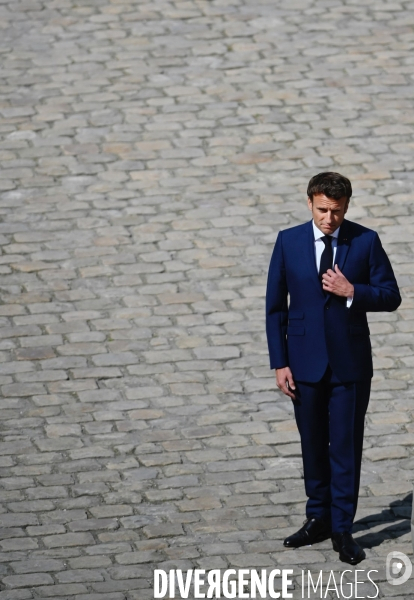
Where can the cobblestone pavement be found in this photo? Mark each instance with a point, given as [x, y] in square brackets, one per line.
[150, 153]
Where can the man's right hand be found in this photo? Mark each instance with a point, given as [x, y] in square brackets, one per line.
[284, 381]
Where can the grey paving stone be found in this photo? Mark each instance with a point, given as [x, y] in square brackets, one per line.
[34, 579]
[68, 539]
[79, 576]
[15, 594]
[67, 589]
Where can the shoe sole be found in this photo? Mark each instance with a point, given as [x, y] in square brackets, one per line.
[353, 562]
[321, 538]
[341, 557]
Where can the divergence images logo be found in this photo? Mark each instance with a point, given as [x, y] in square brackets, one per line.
[394, 568]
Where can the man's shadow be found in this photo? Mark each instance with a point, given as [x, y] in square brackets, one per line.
[397, 518]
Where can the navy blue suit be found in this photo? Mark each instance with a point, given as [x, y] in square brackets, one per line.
[327, 347]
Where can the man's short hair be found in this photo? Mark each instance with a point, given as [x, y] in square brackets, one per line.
[332, 185]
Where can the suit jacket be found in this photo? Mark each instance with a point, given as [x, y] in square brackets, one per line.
[317, 328]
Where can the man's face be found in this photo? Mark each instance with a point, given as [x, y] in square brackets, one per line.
[328, 213]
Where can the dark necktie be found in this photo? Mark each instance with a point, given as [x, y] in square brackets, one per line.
[327, 256]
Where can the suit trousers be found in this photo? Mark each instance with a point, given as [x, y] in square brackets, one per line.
[330, 416]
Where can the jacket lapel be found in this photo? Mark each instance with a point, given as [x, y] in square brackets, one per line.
[344, 241]
[310, 256]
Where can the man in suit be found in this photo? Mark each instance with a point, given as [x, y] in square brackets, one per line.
[334, 272]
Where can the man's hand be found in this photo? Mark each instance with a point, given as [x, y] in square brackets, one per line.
[284, 379]
[336, 283]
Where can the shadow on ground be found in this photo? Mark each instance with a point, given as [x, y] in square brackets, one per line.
[397, 518]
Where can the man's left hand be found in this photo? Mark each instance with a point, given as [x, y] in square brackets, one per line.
[336, 283]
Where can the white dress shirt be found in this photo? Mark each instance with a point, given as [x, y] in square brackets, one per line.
[320, 247]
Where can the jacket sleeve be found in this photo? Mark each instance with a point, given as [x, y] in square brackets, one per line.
[276, 308]
[382, 293]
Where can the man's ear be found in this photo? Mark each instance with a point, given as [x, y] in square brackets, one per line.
[310, 203]
[346, 206]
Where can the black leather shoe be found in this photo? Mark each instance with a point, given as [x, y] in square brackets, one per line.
[314, 530]
[349, 550]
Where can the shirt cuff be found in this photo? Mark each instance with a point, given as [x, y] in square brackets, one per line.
[349, 302]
